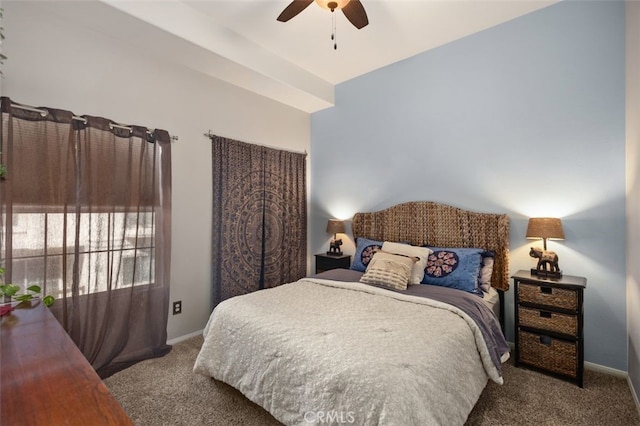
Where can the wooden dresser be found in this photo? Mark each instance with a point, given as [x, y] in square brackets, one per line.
[45, 379]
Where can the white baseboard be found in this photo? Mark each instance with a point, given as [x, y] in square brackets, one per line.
[606, 370]
[185, 337]
[634, 394]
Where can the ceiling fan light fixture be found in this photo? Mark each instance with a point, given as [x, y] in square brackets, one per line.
[332, 4]
[352, 9]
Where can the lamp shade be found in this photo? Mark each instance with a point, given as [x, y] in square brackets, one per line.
[335, 226]
[545, 227]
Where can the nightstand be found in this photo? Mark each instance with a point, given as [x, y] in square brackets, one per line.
[324, 262]
[549, 324]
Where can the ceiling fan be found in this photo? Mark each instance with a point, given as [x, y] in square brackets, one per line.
[352, 9]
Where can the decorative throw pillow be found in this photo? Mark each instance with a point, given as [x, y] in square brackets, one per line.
[454, 267]
[365, 250]
[486, 270]
[421, 253]
[390, 270]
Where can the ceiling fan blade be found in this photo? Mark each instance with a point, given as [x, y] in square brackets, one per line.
[295, 7]
[355, 13]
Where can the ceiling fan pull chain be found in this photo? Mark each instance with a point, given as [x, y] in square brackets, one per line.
[334, 35]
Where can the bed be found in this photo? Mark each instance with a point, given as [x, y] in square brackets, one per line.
[331, 349]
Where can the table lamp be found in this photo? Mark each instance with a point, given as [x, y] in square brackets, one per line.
[335, 226]
[545, 227]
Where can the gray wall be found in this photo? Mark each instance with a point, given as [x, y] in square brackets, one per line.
[633, 191]
[526, 118]
[59, 62]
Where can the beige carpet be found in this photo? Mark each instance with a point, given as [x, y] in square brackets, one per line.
[164, 391]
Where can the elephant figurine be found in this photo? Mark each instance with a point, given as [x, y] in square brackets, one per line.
[547, 260]
[334, 247]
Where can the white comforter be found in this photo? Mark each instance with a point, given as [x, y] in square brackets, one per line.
[326, 352]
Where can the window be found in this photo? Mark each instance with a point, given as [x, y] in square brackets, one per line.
[118, 245]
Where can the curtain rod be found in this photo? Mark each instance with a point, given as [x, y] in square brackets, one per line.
[44, 113]
[210, 135]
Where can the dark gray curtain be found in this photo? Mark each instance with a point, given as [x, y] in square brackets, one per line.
[86, 214]
[259, 217]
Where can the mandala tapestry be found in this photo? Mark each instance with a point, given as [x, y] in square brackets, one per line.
[259, 217]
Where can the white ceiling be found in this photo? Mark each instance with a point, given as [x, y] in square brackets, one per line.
[241, 42]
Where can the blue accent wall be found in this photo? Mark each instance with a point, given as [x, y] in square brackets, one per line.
[525, 118]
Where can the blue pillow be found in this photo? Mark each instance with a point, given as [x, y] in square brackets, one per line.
[364, 252]
[455, 268]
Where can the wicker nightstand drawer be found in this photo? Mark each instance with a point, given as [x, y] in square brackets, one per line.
[548, 320]
[548, 353]
[549, 296]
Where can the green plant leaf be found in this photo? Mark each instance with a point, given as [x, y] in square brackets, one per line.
[1, 270]
[34, 289]
[23, 297]
[48, 300]
[9, 289]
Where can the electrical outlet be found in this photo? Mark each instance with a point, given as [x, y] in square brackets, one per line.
[177, 307]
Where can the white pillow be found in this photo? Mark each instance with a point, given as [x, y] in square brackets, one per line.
[422, 253]
[486, 270]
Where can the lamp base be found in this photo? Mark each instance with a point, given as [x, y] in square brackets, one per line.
[546, 274]
[334, 253]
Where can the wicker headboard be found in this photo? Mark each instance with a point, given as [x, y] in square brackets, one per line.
[435, 224]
